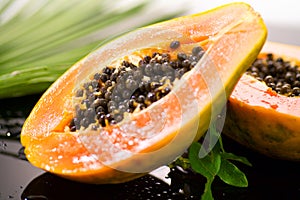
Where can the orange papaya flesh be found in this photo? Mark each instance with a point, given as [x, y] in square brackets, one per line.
[231, 35]
[260, 118]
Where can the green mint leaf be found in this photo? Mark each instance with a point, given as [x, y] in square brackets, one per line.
[231, 156]
[207, 194]
[208, 166]
[231, 175]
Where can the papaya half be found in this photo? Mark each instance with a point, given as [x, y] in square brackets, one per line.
[97, 124]
[264, 115]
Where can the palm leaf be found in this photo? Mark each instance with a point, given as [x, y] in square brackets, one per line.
[41, 39]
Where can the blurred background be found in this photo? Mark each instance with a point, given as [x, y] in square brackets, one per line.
[282, 17]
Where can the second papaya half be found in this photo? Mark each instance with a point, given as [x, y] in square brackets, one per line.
[264, 109]
[138, 102]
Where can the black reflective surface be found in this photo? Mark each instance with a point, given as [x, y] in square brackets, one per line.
[48, 186]
[268, 178]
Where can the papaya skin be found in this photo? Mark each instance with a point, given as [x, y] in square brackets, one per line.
[232, 36]
[263, 120]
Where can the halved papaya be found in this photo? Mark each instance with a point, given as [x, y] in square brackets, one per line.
[265, 119]
[107, 150]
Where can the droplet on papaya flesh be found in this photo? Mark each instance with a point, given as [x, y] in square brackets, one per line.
[281, 75]
[130, 86]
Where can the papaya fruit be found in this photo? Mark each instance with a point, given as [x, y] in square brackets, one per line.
[139, 125]
[263, 113]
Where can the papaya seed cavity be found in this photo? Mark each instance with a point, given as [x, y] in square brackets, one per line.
[130, 87]
[280, 75]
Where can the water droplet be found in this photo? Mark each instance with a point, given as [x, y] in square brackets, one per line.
[130, 142]
[3, 146]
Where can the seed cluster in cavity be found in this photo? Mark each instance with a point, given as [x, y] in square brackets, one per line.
[116, 91]
[280, 75]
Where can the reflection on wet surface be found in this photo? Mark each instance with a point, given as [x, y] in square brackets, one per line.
[48, 186]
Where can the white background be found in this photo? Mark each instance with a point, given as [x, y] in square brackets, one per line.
[282, 17]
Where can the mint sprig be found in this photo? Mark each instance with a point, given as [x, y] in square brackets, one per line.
[217, 163]
[209, 166]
